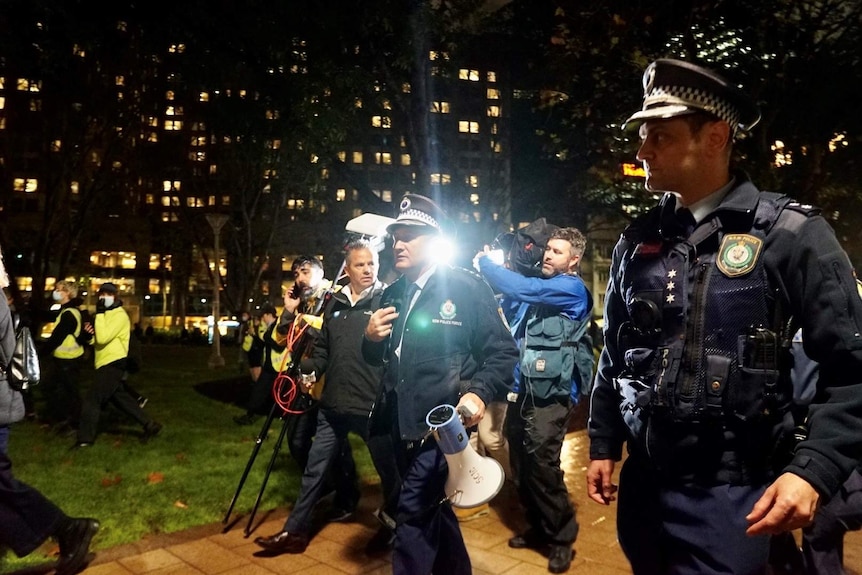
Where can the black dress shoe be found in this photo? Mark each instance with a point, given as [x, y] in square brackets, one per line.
[74, 537]
[527, 540]
[560, 558]
[151, 430]
[284, 542]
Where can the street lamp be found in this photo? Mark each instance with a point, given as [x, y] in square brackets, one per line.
[216, 221]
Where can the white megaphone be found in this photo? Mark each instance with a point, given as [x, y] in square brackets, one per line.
[473, 479]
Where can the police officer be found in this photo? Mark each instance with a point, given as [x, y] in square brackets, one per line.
[442, 340]
[705, 292]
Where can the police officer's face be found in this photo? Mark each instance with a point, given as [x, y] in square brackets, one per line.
[411, 248]
[558, 258]
[361, 269]
[673, 157]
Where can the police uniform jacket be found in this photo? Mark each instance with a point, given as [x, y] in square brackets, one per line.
[351, 384]
[454, 342]
[683, 376]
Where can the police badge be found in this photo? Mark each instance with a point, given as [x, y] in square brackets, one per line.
[738, 254]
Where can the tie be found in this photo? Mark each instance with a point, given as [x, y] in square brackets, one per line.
[401, 321]
[686, 221]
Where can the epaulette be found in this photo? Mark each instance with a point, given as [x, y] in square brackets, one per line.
[806, 209]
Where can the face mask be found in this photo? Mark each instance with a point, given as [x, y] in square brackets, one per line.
[108, 300]
[57, 296]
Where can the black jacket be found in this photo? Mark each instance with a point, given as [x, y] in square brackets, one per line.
[809, 280]
[454, 342]
[351, 384]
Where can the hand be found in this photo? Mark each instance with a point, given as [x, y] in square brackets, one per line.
[788, 504]
[380, 324]
[88, 327]
[478, 403]
[291, 301]
[600, 488]
[484, 252]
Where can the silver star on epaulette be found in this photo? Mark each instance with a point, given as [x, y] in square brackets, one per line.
[671, 274]
[670, 298]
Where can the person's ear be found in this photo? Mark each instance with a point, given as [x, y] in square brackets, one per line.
[717, 136]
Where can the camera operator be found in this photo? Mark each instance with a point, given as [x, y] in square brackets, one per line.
[545, 313]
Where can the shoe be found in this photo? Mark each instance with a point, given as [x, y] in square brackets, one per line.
[381, 542]
[142, 402]
[246, 419]
[560, 558]
[465, 514]
[337, 514]
[74, 538]
[527, 540]
[283, 542]
[151, 430]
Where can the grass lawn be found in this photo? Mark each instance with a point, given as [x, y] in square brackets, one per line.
[185, 477]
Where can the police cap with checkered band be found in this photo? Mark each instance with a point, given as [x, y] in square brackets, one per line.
[416, 210]
[675, 88]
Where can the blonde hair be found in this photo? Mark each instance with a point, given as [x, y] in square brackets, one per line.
[70, 287]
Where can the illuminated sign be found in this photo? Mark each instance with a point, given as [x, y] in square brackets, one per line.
[633, 170]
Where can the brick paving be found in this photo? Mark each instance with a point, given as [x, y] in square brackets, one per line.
[338, 547]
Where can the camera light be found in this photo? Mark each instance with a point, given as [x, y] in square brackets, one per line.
[442, 250]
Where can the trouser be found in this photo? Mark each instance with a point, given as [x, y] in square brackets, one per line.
[27, 518]
[687, 529]
[61, 392]
[536, 433]
[330, 456]
[260, 400]
[490, 439]
[107, 386]
[428, 538]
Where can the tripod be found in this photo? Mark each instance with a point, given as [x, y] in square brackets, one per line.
[289, 416]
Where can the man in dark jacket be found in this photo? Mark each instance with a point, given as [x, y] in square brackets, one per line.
[28, 518]
[704, 291]
[442, 340]
[348, 395]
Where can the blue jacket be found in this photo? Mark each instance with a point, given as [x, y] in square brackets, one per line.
[524, 297]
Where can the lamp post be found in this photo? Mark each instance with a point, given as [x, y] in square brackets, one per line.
[216, 221]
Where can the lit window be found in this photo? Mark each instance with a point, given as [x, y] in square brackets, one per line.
[493, 94]
[466, 74]
[496, 147]
[213, 169]
[324, 174]
[198, 156]
[35, 105]
[173, 125]
[198, 141]
[491, 77]
[357, 103]
[56, 145]
[75, 188]
[204, 97]
[271, 115]
[405, 159]
[435, 55]
[170, 95]
[149, 199]
[152, 122]
[474, 199]
[171, 185]
[153, 137]
[383, 158]
[225, 200]
[275, 145]
[466, 127]
[472, 180]
[342, 156]
[26, 185]
[340, 195]
[174, 111]
[194, 202]
[387, 105]
[119, 80]
[357, 157]
[441, 179]
[494, 111]
[405, 87]
[494, 128]
[314, 158]
[25, 85]
[176, 48]
[2, 82]
[439, 107]
[295, 204]
[381, 122]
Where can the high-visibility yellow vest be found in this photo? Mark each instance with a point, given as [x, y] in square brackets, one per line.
[70, 348]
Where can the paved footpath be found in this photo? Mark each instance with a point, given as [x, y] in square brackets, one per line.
[338, 547]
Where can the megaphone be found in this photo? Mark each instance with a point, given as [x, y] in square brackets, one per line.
[473, 479]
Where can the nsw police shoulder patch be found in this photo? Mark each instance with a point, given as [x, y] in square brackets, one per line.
[738, 254]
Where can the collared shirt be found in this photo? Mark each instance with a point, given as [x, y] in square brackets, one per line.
[420, 285]
[349, 293]
[702, 208]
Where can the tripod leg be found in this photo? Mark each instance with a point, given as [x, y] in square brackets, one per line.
[289, 423]
[260, 437]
